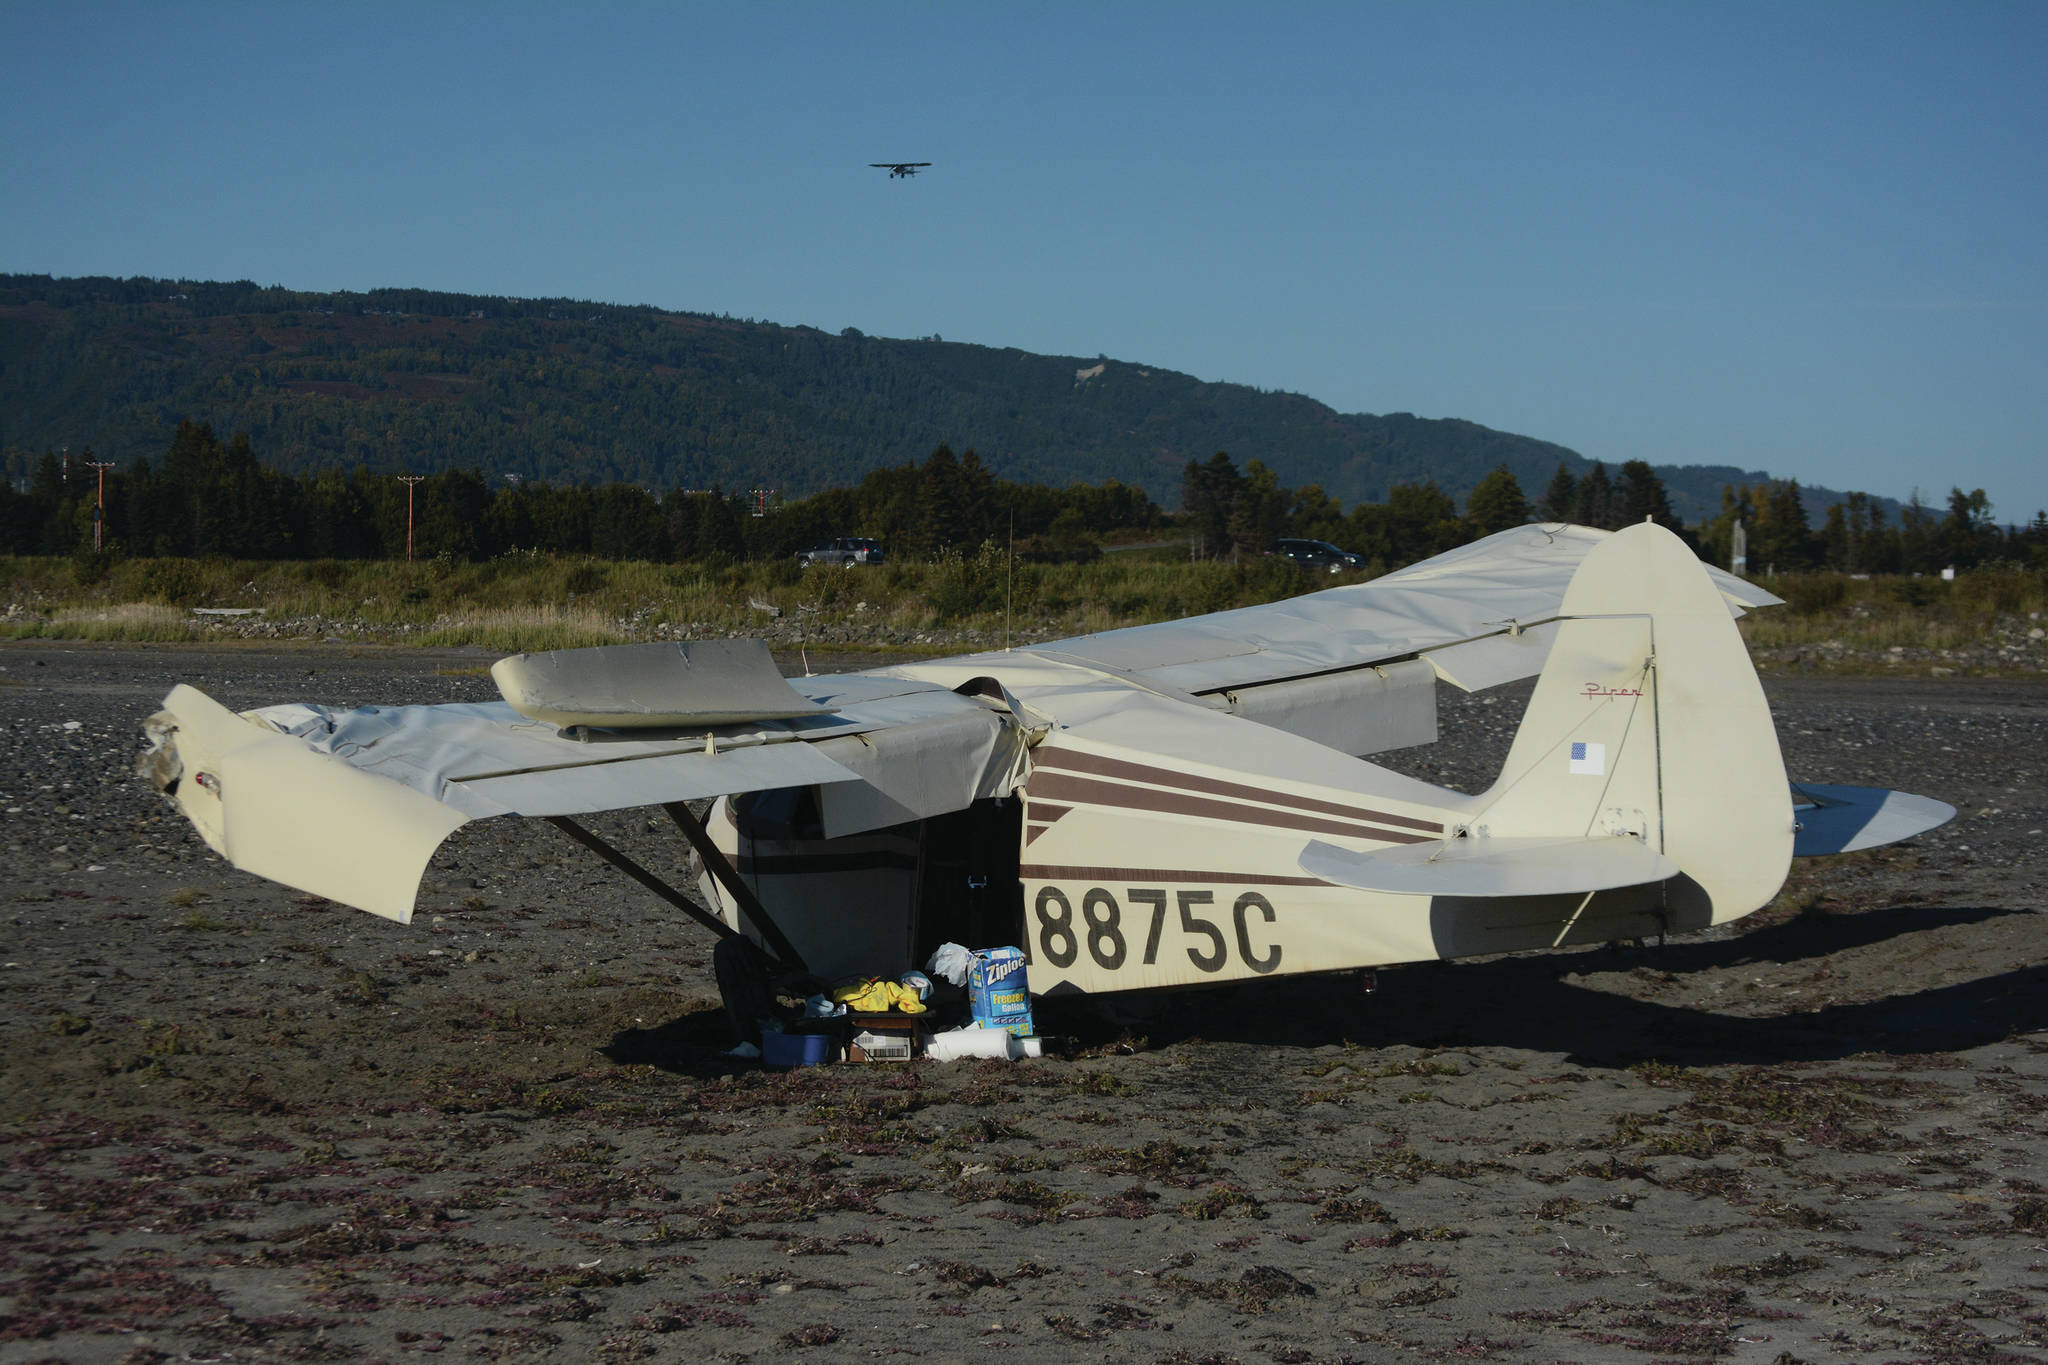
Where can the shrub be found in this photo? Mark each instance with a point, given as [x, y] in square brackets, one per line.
[1810, 593]
[174, 582]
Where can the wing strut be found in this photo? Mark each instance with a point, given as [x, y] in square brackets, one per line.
[717, 865]
[713, 860]
[639, 874]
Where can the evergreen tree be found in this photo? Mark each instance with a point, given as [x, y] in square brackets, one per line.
[1781, 542]
[1641, 497]
[1260, 508]
[1561, 495]
[1593, 501]
[1837, 548]
[626, 523]
[718, 527]
[1421, 520]
[1967, 532]
[1918, 552]
[944, 519]
[1496, 503]
[2033, 542]
[1208, 492]
[977, 501]
[449, 514]
[1877, 550]
[1717, 535]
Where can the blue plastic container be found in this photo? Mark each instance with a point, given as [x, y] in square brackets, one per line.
[998, 992]
[796, 1049]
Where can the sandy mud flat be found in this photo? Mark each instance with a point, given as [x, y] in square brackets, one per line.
[237, 1123]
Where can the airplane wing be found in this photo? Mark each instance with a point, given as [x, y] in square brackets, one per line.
[1355, 667]
[1477, 614]
[351, 804]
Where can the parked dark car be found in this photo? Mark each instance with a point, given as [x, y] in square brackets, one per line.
[1317, 556]
[846, 550]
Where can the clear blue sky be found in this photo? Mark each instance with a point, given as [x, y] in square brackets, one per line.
[1811, 238]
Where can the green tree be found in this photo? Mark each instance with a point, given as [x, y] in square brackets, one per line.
[1208, 493]
[1496, 503]
[1315, 515]
[1421, 520]
[945, 513]
[1560, 495]
[1593, 500]
[1781, 542]
[1640, 496]
[718, 527]
[1259, 511]
[1967, 535]
[1918, 550]
[1717, 535]
[627, 523]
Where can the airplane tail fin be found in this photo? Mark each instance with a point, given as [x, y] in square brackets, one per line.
[1648, 724]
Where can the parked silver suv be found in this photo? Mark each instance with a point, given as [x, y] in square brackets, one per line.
[846, 550]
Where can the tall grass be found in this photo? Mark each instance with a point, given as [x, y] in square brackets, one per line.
[1881, 613]
[529, 601]
[534, 601]
[142, 622]
[512, 630]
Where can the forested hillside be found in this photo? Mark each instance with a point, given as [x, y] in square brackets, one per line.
[571, 392]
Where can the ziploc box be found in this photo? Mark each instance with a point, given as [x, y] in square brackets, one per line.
[997, 991]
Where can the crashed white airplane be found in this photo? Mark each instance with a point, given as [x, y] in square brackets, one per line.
[1167, 805]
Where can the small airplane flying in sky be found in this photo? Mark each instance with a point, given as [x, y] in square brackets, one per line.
[900, 170]
[1167, 805]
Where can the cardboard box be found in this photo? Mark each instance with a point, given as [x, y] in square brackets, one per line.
[882, 1038]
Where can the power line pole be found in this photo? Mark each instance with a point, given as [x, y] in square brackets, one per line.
[99, 511]
[409, 480]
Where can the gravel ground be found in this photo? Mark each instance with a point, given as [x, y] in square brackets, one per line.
[241, 1124]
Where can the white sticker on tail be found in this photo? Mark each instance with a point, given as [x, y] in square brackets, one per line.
[1589, 760]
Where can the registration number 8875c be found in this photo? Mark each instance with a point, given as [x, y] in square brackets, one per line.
[1060, 933]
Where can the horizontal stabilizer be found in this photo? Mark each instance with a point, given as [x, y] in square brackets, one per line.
[1844, 819]
[1492, 867]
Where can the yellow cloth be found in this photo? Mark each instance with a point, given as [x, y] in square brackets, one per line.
[875, 996]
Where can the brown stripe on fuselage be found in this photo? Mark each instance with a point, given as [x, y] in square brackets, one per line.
[1104, 766]
[1064, 786]
[1140, 876]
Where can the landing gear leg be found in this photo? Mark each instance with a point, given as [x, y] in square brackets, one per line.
[742, 973]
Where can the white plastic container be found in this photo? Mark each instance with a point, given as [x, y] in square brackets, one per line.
[962, 1043]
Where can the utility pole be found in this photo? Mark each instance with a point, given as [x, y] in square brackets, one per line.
[99, 511]
[409, 480]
